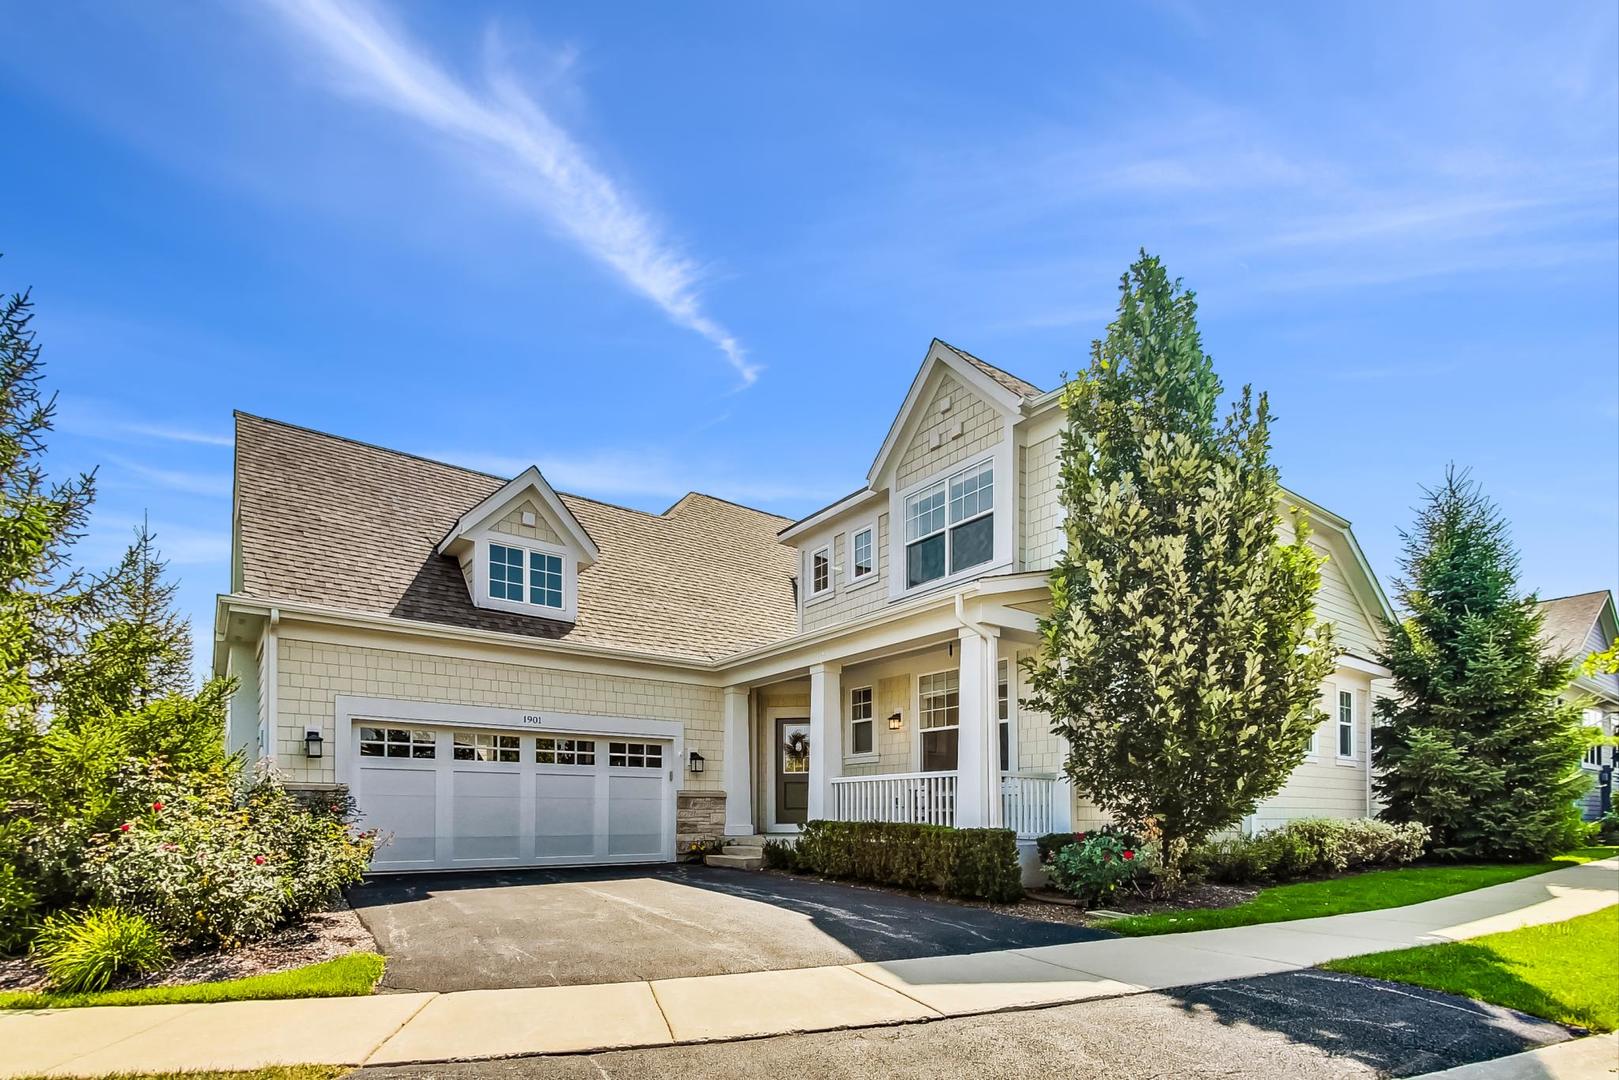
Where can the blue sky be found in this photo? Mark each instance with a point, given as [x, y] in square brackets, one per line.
[655, 247]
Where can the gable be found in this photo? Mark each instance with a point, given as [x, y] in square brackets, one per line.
[526, 521]
[951, 424]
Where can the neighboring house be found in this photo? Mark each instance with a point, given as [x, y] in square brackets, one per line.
[504, 675]
[1574, 628]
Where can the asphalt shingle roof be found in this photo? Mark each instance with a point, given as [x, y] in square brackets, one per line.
[1568, 622]
[328, 521]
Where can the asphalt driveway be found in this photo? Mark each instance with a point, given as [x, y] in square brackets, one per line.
[498, 929]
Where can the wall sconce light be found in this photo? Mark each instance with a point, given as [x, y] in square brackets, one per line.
[896, 722]
[695, 762]
[312, 744]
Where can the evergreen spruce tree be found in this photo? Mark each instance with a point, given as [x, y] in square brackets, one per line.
[1182, 660]
[1477, 743]
[138, 648]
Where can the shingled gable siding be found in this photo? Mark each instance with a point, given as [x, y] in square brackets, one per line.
[313, 673]
[1041, 517]
[512, 524]
[982, 427]
[848, 604]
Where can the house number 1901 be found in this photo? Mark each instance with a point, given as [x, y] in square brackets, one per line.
[533, 720]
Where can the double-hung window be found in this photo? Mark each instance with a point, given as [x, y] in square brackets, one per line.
[1346, 724]
[524, 576]
[939, 698]
[860, 723]
[862, 554]
[950, 525]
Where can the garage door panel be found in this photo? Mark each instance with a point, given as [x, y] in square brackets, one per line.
[565, 814]
[635, 809]
[562, 801]
[403, 803]
[488, 821]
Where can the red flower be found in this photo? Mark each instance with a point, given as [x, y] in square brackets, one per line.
[158, 805]
[1080, 836]
[258, 860]
[1129, 854]
[124, 827]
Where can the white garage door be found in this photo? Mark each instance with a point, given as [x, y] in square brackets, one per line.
[459, 798]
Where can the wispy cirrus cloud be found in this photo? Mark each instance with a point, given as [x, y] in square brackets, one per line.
[546, 166]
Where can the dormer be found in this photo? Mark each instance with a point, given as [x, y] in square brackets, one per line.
[521, 550]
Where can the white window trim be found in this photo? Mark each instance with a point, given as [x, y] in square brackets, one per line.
[812, 595]
[1004, 552]
[1337, 725]
[849, 579]
[1012, 763]
[849, 755]
[916, 711]
[568, 612]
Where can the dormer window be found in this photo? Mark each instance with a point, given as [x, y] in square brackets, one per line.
[950, 525]
[525, 576]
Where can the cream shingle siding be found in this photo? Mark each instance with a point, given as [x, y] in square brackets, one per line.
[512, 524]
[313, 673]
[1041, 517]
[982, 427]
[850, 601]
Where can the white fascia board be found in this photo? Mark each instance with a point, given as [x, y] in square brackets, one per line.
[527, 480]
[1351, 662]
[939, 353]
[826, 516]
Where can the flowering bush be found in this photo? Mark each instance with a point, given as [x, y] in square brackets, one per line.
[1094, 867]
[223, 863]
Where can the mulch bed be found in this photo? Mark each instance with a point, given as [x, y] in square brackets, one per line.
[1045, 905]
[323, 935]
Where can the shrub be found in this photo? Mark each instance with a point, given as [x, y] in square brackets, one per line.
[1608, 827]
[225, 864]
[779, 855]
[977, 864]
[1307, 848]
[1094, 868]
[1051, 843]
[18, 903]
[86, 951]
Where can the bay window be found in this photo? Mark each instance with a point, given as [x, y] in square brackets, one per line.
[950, 525]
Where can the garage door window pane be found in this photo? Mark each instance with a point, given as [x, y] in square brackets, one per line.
[635, 755]
[477, 746]
[564, 751]
[395, 742]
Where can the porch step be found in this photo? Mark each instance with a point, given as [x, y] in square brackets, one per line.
[752, 860]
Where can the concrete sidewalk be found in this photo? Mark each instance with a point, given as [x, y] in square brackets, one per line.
[402, 1028]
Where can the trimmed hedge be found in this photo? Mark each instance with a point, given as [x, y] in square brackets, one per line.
[1310, 847]
[970, 864]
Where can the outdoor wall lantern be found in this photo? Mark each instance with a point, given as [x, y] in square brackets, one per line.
[312, 744]
[896, 722]
[695, 762]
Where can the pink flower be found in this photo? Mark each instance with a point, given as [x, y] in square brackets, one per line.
[158, 805]
[1129, 854]
[258, 860]
[124, 827]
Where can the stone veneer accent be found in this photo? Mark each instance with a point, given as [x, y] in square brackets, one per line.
[699, 820]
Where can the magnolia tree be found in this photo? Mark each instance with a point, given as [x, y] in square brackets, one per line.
[1182, 659]
[1481, 740]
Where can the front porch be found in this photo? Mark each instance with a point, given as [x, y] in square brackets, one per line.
[924, 729]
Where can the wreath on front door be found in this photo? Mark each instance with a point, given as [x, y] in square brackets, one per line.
[797, 744]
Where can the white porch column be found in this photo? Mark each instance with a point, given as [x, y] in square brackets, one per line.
[738, 764]
[978, 758]
[825, 736]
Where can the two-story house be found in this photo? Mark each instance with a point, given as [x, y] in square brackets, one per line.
[1574, 627]
[505, 675]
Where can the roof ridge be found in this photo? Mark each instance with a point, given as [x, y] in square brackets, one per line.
[1575, 596]
[981, 362]
[489, 475]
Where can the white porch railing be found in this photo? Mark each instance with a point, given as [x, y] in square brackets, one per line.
[924, 798]
[1029, 803]
[1028, 800]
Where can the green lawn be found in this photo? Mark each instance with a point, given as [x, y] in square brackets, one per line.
[1356, 892]
[347, 976]
[1567, 972]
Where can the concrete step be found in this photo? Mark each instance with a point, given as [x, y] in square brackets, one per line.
[735, 862]
[746, 850]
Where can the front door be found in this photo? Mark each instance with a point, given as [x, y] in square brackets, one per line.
[792, 772]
